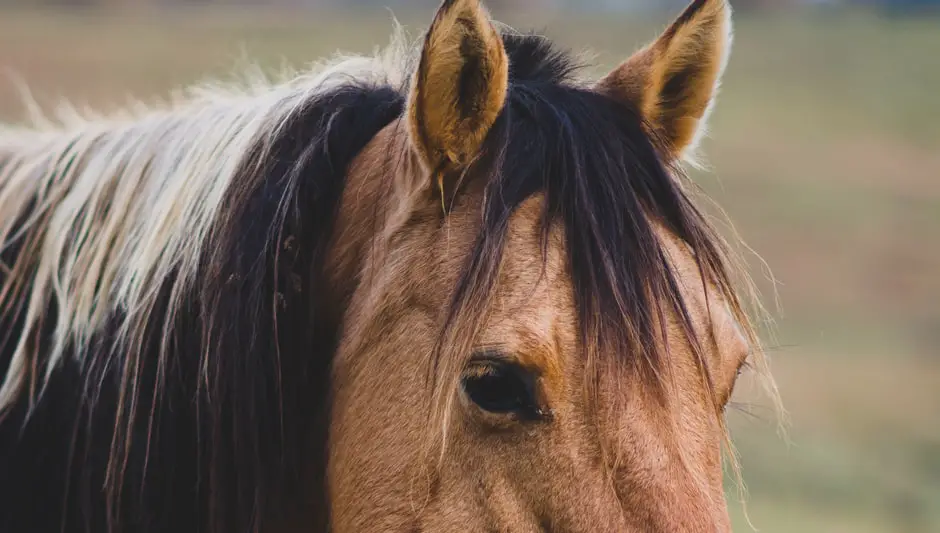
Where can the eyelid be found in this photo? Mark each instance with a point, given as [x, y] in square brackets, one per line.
[491, 355]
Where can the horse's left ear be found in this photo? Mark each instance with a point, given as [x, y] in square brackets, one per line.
[459, 88]
[673, 81]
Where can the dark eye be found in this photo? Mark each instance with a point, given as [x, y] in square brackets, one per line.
[502, 387]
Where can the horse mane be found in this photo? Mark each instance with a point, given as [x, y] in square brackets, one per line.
[133, 199]
[154, 261]
[156, 267]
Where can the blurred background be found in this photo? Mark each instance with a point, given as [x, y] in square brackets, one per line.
[824, 151]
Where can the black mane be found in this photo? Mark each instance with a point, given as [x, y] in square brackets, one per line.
[209, 436]
[202, 432]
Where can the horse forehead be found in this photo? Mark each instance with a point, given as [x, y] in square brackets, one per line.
[529, 263]
[533, 300]
[536, 293]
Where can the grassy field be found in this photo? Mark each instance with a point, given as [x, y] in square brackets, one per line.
[825, 151]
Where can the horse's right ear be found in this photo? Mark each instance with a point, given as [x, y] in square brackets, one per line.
[459, 88]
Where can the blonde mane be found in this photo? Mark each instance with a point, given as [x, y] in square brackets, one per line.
[104, 209]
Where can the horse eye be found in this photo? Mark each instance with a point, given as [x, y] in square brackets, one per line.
[501, 387]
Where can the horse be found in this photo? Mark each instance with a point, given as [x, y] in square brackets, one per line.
[456, 285]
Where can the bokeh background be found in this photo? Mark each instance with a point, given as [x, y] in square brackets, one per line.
[824, 151]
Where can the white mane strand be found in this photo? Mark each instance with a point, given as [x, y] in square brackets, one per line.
[106, 210]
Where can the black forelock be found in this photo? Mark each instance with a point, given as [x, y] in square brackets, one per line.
[605, 178]
[535, 59]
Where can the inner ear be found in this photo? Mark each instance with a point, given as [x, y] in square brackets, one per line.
[474, 75]
[459, 88]
[675, 93]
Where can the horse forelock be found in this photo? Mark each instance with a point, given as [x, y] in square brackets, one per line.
[608, 183]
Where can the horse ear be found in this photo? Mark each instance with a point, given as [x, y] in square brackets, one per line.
[459, 87]
[673, 81]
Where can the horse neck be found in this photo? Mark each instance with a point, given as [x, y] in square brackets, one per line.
[353, 234]
[374, 204]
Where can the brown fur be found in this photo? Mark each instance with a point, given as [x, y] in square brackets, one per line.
[292, 336]
[499, 475]
[648, 467]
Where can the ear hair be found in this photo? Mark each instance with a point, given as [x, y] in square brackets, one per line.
[674, 80]
[459, 88]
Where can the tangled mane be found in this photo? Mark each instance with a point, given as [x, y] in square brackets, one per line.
[157, 273]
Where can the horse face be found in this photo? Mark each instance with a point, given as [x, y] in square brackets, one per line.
[475, 387]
